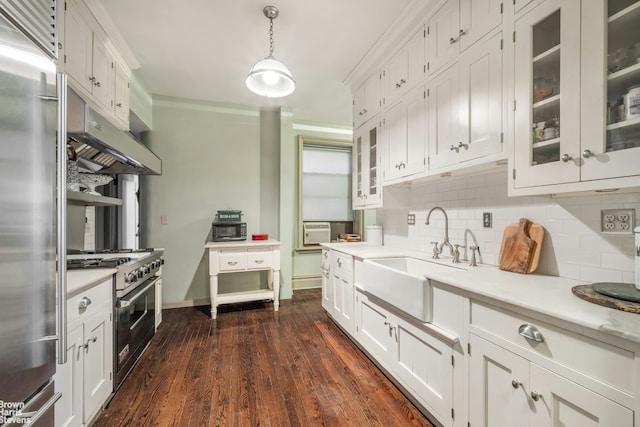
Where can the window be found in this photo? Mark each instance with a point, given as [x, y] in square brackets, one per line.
[325, 204]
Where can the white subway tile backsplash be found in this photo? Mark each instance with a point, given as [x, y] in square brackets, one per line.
[573, 246]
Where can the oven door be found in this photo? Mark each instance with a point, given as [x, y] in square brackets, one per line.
[135, 325]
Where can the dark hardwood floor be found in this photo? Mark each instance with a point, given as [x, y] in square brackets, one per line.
[256, 367]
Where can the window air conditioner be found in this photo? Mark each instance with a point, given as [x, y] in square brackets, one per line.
[317, 232]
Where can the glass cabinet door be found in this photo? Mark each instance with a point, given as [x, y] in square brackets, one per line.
[372, 167]
[358, 179]
[547, 94]
[611, 146]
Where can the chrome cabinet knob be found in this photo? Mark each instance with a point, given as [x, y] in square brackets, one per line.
[535, 395]
[565, 158]
[516, 383]
[587, 153]
[84, 303]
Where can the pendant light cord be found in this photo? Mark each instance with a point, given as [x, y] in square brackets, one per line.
[270, 37]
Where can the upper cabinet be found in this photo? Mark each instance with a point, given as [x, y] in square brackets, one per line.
[466, 107]
[367, 100]
[92, 65]
[405, 132]
[547, 94]
[406, 68]
[611, 131]
[367, 187]
[457, 25]
[576, 76]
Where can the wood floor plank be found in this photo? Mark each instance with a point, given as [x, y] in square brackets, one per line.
[256, 367]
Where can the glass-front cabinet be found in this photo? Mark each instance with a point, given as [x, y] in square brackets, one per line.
[611, 117]
[547, 93]
[577, 95]
[367, 189]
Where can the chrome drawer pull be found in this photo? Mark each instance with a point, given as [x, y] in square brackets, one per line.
[530, 332]
[259, 261]
[232, 262]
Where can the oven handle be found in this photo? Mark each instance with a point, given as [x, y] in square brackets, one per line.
[122, 303]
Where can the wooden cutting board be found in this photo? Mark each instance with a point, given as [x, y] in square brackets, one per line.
[520, 249]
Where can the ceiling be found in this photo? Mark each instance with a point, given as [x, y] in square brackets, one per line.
[203, 49]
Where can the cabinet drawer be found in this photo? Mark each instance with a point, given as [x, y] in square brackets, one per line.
[574, 351]
[95, 299]
[259, 260]
[233, 261]
[341, 264]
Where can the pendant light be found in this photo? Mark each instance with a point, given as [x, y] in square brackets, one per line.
[269, 77]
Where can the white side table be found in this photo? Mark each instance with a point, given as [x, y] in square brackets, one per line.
[240, 256]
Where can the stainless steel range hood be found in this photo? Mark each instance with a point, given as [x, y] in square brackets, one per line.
[102, 147]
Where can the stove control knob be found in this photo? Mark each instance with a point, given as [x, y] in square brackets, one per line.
[146, 269]
[140, 273]
[132, 277]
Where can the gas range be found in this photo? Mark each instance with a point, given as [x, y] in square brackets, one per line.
[135, 266]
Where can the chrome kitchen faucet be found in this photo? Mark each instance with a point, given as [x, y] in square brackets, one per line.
[437, 250]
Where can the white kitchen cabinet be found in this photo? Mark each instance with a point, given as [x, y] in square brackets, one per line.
[523, 371]
[465, 107]
[406, 68]
[547, 94]
[69, 379]
[481, 100]
[87, 61]
[506, 389]
[327, 293]
[86, 379]
[419, 360]
[575, 65]
[367, 100]
[342, 290]
[121, 92]
[367, 184]
[93, 68]
[457, 25]
[610, 139]
[404, 128]
[444, 118]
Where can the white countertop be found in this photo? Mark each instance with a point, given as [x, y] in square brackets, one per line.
[78, 280]
[548, 295]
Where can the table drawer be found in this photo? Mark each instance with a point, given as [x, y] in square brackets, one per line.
[575, 351]
[259, 260]
[233, 260]
[93, 299]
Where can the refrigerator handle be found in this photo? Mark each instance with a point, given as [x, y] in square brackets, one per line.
[61, 139]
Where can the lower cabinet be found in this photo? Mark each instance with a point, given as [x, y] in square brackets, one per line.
[342, 291]
[327, 295]
[524, 371]
[86, 380]
[506, 389]
[419, 360]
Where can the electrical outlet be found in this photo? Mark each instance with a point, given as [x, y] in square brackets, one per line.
[411, 219]
[486, 220]
[617, 221]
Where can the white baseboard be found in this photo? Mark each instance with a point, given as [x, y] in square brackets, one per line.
[306, 282]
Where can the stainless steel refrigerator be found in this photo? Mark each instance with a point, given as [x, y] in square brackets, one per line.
[31, 220]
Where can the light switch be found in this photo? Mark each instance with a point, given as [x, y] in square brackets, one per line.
[164, 220]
